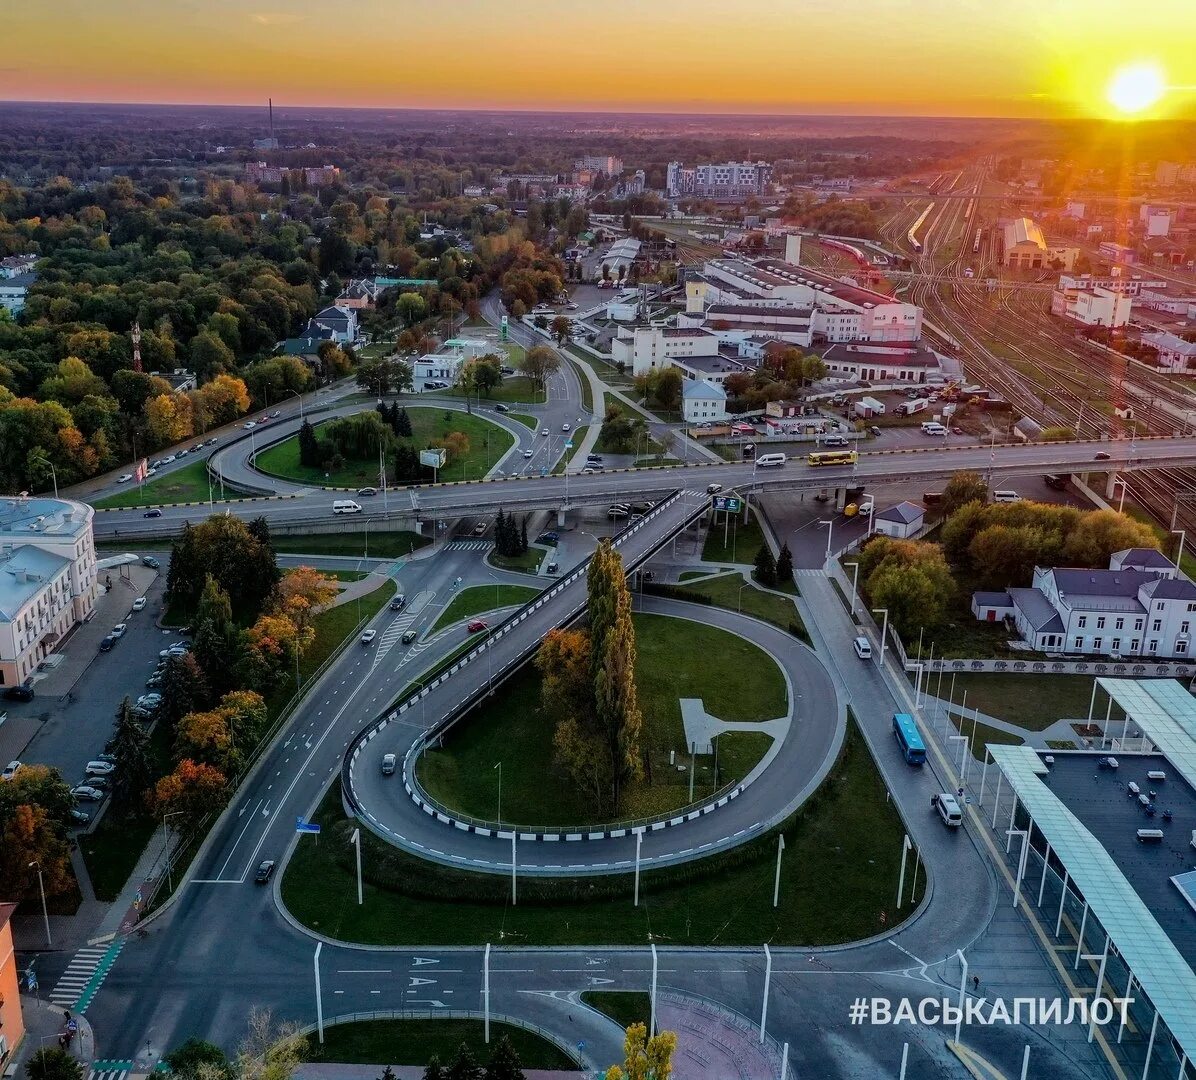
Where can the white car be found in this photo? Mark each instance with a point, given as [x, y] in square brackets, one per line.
[139, 603]
[544, 431]
[250, 425]
[527, 453]
[99, 768]
[168, 460]
[119, 630]
[151, 472]
[564, 427]
[10, 770]
[124, 478]
[87, 793]
[368, 636]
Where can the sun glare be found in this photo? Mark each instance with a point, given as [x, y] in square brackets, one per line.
[1135, 87]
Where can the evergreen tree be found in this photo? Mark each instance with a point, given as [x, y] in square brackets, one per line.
[387, 1074]
[263, 574]
[407, 467]
[217, 643]
[403, 425]
[766, 566]
[434, 1070]
[310, 452]
[504, 1062]
[500, 533]
[184, 689]
[129, 745]
[180, 577]
[523, 535]
[785, 565]
[465, 1066]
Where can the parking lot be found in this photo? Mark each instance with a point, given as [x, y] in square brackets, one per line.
[75, 703]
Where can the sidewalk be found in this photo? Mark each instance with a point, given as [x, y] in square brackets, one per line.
[44, 1022]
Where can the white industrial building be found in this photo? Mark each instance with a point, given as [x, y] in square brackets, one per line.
[703, 402]
[1092, 307]
[1175, 353]
[617, 260]
[1142, 606]
[47, 579]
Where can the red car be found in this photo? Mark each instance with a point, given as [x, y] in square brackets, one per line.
[475, 626]
[956, 431]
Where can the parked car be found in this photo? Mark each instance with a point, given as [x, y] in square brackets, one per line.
[81, 817]
[10, 770]
[956, 429]
[368, 636]
[409, 636]
[139, 603]
[875, 430]
[388, 764]
[552, 538]
[195, 449]
[124, 478]
[151, 562]
[276, 414]
[265, 871]
[87, 792]
[155, 512]
[99, 768]
[397, 603]
[250, 425]
[156, 464]
[18, 693]
[154, 681]
[479, 529]
[476, 625]
[107, 643]
[168, 460]
[120, 629]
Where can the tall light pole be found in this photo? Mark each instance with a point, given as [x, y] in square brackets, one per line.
[830, 531]
[499, 768]
[299, 396]
[884, 634]
[319, 996]
[355, 840]
[41, 886]
[1179, 555]
[1120, 502]
[166, 847]
[855, 578]
[870, 501]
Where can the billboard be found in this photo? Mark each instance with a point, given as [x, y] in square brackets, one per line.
[503, 328]
[434, 458]
[732, 504]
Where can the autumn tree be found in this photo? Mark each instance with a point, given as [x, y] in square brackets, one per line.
[29, 835]
[963, 487]
[538, 363]
[561, 327]
[301, 593]
[205, 737]
[644, 1058]
[168, 419]
[457, 445]
[192, 789]
[1102, 532]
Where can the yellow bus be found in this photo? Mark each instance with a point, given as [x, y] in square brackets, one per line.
[833, 457]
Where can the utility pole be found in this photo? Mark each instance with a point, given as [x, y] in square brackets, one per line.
[355, 840]
[776, 885]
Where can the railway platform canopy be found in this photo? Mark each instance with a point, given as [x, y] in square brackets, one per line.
[1103, 841]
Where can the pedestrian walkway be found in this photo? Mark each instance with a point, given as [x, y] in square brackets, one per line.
[44, 1023]
[469, 545]
[85, 974]
[106, 1069]
[714, 1043]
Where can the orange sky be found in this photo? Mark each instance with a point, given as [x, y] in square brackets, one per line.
[940, 57]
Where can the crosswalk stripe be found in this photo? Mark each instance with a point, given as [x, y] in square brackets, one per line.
[79, 983]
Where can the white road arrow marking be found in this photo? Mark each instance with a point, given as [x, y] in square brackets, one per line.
[420, 960]
[420, 982]
[599, 982]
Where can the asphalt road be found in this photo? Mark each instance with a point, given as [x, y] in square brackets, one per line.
[456, 500]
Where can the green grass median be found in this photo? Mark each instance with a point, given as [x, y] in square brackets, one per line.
[188, 484]
[479, 598]
[838, 883]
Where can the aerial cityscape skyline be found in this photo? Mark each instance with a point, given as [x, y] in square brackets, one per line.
[1018, 58]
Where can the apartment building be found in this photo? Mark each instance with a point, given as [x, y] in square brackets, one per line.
[47, 579]
[730, 179]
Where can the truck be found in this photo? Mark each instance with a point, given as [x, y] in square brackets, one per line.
[908, 408]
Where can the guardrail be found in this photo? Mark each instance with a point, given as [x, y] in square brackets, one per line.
[442, 723]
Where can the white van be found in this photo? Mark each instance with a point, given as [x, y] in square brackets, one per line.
[765, 461]
[948, 807]
[1006, 495]
[932, 427]
[863, 648]
[345, 506]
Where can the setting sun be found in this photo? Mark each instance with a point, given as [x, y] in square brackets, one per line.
[1136, 87]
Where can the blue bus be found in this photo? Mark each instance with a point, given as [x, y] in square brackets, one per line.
[909, 739]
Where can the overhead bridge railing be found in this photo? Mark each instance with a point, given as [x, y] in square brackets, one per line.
[565, 612]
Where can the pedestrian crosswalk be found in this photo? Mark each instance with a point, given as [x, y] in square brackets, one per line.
[401, 624]
[85, 974]
[469, 545]
[109, 1069]
[806, 571]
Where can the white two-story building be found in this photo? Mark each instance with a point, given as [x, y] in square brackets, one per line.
[1141, 606]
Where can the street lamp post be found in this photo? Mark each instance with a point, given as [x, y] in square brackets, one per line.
[855, 577]
[41, 886]
[1120, 502]
[166, 847]
[499, 768]
[884, 634]
[299, 396]
[830, 531]
[739, 597]
[1179, 555]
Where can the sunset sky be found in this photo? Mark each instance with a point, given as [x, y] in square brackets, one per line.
[937, 57]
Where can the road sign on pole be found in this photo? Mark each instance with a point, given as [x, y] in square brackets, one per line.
[731, 504]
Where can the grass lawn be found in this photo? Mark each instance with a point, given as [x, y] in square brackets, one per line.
[744, 538]
[983, 735]
[188, 484]
[587, 393]
[416, 1042]
[383, 545]
[483, 598]
[654, 462]
[1061, 744]
[528, 562]
[1033, 702]
[487, 443]
[526, 420]
[513, 388]
[739, 752]
[732, 592]
[624, 1007]
[838, 874]
[735, 679]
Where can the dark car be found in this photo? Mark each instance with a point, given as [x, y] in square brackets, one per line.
[152, 513]
[549, 538]
[151, 562]
[397, 603]
[107, 643]
[1101, 456]
[500, 407]
[18, 693]
[476, 626]
[367, 491]
[264, 872]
